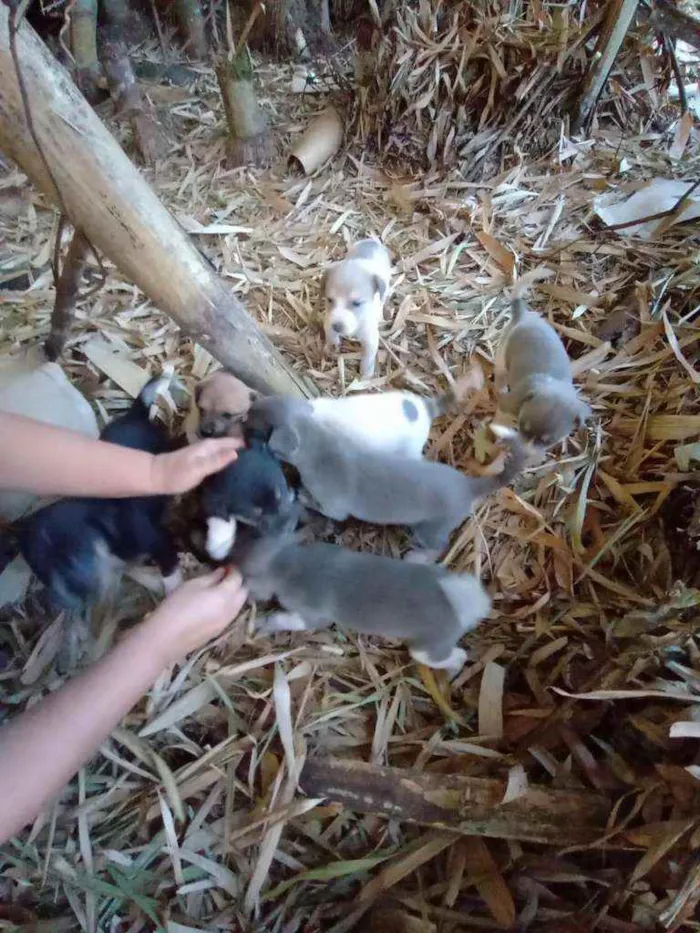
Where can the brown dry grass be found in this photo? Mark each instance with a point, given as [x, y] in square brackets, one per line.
[189, 814]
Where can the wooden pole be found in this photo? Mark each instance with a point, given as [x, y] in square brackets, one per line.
[106, 198]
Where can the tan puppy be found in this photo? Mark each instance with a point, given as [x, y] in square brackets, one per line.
[355, 291]
[221, 407]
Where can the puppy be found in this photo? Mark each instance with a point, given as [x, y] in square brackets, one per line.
[74, 546]
[318, 584]
[252, 490]
[221, 406]
[537, 369]
[394, 423]
[355, 291]
[342, 479]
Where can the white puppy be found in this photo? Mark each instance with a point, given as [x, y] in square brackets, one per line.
[355, 291]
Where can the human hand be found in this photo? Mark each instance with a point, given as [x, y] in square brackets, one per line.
[184, 469]
[196, 612]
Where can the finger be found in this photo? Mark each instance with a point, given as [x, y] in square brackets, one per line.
[214, 455]
[231, 578]
[213, 444]
[207, 581]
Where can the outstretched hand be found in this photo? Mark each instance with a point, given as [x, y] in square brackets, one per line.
[195, 613]
[183, 469]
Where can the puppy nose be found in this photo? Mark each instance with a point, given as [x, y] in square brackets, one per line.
[206, 429]
[337, 327]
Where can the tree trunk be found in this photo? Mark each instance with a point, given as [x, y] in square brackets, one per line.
[248, 135]
[106, 197]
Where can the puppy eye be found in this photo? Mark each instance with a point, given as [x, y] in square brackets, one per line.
[357, 304]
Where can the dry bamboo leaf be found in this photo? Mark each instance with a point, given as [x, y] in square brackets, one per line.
[630, 695]
[491, 700]
[681, 137]
[127, 375]
[517, 784]
[440, 700]
[503, 256]
[673, 343]
[685, 730]
[404, 865]
[483, 872]
[667, 836]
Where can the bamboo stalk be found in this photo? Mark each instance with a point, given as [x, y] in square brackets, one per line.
[465, 805]
[108, 199]
[617, 21]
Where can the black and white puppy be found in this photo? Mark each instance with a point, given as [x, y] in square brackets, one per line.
[74, 546]
[252, 490]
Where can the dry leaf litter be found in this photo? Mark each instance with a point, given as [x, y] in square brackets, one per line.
[580, 698]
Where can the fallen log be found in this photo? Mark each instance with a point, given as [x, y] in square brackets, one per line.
[465, 805]
[105, 197]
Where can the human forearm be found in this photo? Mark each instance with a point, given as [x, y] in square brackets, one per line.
[42, 749]
[39, 458]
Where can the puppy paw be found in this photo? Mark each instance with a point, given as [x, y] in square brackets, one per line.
[458, 659]
[281, 622]
[221, 536]
[422, 555]
[452, 664]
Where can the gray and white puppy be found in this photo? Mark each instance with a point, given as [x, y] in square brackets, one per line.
[537, 369]
[341, 479]
[355, 291]
[319, 584]
[387, 422]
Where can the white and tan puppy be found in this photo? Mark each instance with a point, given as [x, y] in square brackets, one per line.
[220, 409]
[541, 394]
[355, 291]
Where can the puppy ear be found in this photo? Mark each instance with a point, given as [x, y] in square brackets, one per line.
[379, 285]
[284, 441]
[198, 392]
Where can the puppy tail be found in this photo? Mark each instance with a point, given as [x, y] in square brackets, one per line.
[153, 388]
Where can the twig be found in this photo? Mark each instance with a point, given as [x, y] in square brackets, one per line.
[67, 288]
[682, 96]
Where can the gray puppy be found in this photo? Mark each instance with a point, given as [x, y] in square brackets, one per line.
[318, 584]
[342, 479]
[537, 369]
